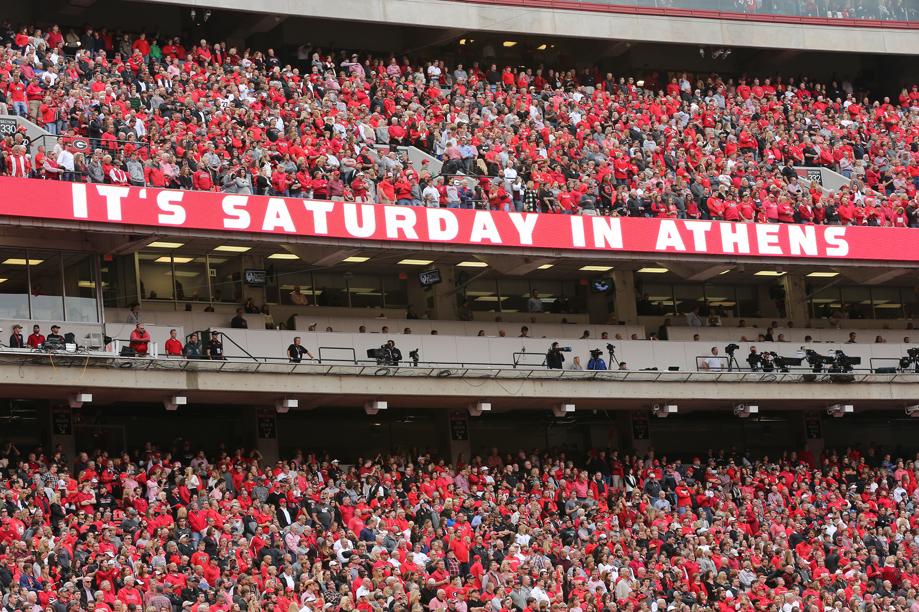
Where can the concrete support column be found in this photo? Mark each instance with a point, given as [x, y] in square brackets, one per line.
[796, 299]
[626, 297]
[443, 297]
[454, 434]
[256, 293]
[264, 422]
[57, 428]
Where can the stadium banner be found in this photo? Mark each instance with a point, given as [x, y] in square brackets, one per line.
[167, 209]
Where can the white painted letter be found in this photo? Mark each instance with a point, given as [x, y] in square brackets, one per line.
[277, 215]
[802, 239]
[355, 227]
[234, 207]
[734, 238]
[668, 237]
[607, 232]
[767, 239]
[837, 245]
[400, 218]
[699, 239]
[320, 211]
[577, 231]
[525, 225]
[173, 212]
[113, 196]
[484, 228]
[442, 224]
[80, 209]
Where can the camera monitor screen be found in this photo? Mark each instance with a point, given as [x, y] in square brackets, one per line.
[429, 278]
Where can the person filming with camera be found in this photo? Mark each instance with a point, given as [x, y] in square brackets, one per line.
[554, 358]
[596, 361]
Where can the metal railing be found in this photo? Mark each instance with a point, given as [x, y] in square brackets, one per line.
[368, 367]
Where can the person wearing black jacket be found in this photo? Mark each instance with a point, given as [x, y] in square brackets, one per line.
[16, 339]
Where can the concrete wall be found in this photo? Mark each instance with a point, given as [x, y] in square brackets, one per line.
[464, 16]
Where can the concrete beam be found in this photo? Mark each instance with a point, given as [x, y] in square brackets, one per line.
[697, 273]
[871, 277]
[513, 266]
[262, 388]
[588, 24]
[320, 255]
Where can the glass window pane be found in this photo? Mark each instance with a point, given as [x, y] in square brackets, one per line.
[721, 300]
[395, 293]
[330, 290]
[155, 276]
[80, 287]
[825, 302]
[291, 277]
[688, 297]
[119, 282]
[191, 280]
[365, 291]
[857, 300]
[516, 293]
[14, 284]
[656, 299]
[47, 285]
[482, 295]
[226, 278]
[746, 301]
[887, 303]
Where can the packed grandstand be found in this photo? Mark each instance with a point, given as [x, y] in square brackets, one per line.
[272, 491]
[133, 110]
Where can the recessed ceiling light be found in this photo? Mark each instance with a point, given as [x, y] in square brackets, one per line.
[542, 47]
[3, 280]
[166, 245]
[509, 43]
[178, 260]
[85, 284]
[18, 261]
[769, 273]
[472, 264]
[229, 248]
[595, 268]
[355, 259]
[653, 270]
[823, 274]
[545, 266]
[415, 262]
[282, 256]
[724, 272]
[462, 41]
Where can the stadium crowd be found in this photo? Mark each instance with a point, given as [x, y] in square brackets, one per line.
[176, 530]
[145, 110]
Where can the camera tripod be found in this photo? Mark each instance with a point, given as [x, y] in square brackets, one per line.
[613, 359]
[732, 362]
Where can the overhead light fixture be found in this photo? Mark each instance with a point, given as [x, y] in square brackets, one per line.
[509, 43]
[823, 274]
[545, 266]
[477, 408]
[725, 272]
[178, 260]
[282, 256]
[166, 245]
[415, 262]
[229, 248]
[595, 268]
[653, 270]
[640, 83]
[542, 47]
[283, 406]
[769, 273]
[462, 41]
[374, 407]
[663, 410]
[77, 400]
[18, 261]
[472, 264]
[355, 259]
[839, 410]
[84, 284]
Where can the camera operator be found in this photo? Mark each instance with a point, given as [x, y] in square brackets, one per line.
[596, 361]
[396, 353]
[554, 357]
[754, 359]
